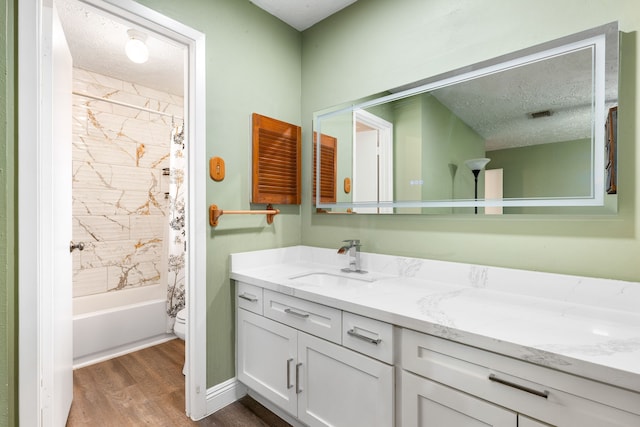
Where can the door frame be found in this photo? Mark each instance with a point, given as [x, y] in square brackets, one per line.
[385, 155]
[34, 209]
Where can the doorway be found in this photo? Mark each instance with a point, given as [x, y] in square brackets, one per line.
[129, 181]
[372, 162]
[39, 370]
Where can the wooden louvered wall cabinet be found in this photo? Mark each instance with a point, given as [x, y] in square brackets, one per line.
[328, 168]
[276, 161]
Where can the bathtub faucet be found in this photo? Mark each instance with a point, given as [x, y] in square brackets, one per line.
[352, 249]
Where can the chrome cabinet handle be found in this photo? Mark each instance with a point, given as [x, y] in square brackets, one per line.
[298, 388]
[353, 333]
[296, 313]
[289, 385]
[248, 297]
[543, 393]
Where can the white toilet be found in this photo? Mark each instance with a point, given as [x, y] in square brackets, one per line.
[180, 329]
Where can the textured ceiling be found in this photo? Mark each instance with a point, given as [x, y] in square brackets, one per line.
[302, 14]
[96, 42]
[497, 107]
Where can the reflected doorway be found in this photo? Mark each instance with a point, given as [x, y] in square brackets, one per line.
[372, 162]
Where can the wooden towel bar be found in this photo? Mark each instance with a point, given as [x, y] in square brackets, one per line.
[215, 213]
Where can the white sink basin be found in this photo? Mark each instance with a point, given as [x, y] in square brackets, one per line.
[333, 279]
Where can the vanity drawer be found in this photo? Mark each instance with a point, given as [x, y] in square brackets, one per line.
[555, 397]
[316, 319]
[368, 336]
[249, 297]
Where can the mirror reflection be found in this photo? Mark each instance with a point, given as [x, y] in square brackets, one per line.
[538, 121]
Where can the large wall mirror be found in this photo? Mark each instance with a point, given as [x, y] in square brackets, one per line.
[530, 132]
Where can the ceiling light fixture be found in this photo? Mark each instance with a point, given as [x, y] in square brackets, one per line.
[135, 48]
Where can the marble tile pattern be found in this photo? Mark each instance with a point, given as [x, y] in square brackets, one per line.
[119, 205]
[580, 325]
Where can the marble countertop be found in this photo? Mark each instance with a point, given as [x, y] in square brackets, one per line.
[584, 326]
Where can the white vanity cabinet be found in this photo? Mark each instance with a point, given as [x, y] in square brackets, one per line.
[267, 354]
[547, 350]
[314, 379]
[339, 387]
[426, 403]
[446, 383]
[250, 297]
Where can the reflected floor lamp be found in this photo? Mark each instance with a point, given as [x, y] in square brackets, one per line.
[476, 165]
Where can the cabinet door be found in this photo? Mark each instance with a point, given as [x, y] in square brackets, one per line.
[429, 404]
[267, 358]
[341, 388]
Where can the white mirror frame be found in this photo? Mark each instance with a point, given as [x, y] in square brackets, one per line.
[595, 39]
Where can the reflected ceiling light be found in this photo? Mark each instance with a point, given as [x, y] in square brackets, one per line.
[135, 48]
[476, 165]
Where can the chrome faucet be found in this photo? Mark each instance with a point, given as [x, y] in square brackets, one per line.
[352, 248]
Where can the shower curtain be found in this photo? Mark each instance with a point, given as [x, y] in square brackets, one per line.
[176, 240]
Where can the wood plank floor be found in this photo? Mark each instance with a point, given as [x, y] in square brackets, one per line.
[147, 388]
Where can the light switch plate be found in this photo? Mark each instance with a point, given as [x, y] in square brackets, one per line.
[216, 168]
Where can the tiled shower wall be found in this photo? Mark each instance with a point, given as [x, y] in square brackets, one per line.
[119, 204]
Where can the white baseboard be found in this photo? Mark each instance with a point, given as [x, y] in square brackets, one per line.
[224, 394]
[231, 390]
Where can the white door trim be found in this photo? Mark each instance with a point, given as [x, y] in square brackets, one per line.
[31, 242]
[34, 209]
[385, 152]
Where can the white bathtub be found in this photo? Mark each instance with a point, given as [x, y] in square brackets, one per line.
[109, 325]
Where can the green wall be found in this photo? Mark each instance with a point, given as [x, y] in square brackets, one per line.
[561, 169]
[340, 127]
[375, 45]
[8, 287]
[253, 65]
[407, 150]
[428, 138]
